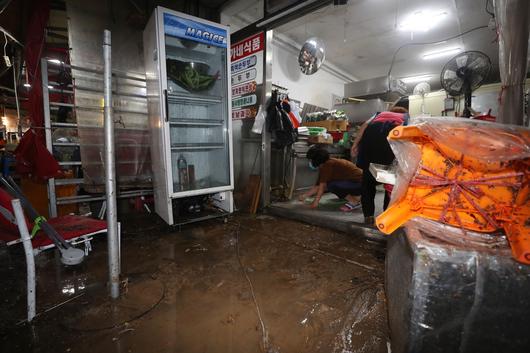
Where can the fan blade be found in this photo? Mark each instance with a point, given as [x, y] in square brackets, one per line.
[477, 63]
[449, 75]
[456, 86]
[476, 80]
[461, 61]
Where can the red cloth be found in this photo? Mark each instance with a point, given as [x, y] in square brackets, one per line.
[33, 158]
[395, 118]
[68, 227]
[33, 51]
[294, 121]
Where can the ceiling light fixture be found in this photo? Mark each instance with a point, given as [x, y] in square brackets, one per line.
[27, 85]
[419, 78]
[50, 87]
[441, 53]
[422, 21]
[55, 61]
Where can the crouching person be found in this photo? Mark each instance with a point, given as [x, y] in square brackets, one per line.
[338, 176]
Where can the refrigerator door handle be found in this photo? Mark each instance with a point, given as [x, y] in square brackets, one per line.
[166, 107]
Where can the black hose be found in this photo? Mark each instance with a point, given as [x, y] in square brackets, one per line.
[15, 191]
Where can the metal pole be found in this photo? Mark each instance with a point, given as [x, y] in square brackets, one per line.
[30, 261]
[265, 135]
[512, 18]
[110, 173]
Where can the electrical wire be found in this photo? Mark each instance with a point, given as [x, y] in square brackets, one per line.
[487, 10]
[5, 44]
[264, 332]
[2, 29]
[5, 6]
[121, 323]
[429, 43]
[16, 94]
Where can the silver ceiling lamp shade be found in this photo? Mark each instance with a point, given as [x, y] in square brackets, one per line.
[311, 56]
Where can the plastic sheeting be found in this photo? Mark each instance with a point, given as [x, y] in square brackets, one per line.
[445, 297]
[512, 28]
[132, 136]
[467, 174]
[500, 143]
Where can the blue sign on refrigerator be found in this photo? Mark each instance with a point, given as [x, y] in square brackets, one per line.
[196, 31]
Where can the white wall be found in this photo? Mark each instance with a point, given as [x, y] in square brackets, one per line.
[316, 89]
[483, 99]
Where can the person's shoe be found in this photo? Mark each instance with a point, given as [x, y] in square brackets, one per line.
[369, 220]
[349, 206]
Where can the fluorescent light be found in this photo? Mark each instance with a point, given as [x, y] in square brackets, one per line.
[422, 21]
[441, 53]
[50, 87]
[27, 85]
[419, 78]
[55, 61]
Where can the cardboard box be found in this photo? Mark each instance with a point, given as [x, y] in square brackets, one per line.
[320, 139]
[330, 125]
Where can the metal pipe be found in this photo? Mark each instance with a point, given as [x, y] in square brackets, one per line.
[2, 29]
[30, 261]
[512, 18]
[110, 173]
[266, 135]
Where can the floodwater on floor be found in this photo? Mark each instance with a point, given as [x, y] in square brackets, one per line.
[253, 284]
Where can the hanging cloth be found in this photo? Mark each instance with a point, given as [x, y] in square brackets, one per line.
[32, 156]
[286, 106]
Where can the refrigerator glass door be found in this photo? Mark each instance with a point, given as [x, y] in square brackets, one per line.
[196, 103]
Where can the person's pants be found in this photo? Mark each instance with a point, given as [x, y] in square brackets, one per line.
[342, 188]
[368, 194]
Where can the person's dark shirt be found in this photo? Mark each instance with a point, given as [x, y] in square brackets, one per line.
[374, 146]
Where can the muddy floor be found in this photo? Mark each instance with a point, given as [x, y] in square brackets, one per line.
[253, 284]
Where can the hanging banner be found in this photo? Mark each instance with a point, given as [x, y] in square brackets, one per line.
[247, 75]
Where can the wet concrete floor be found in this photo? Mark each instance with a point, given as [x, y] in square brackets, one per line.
[254, 284]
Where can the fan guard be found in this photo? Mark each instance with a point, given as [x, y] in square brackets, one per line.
[470, 66]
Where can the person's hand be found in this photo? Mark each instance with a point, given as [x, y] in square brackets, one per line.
[302, 197]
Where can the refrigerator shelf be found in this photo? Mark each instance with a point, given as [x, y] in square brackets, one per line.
[196, 122]
[196, 146]
[192, 99]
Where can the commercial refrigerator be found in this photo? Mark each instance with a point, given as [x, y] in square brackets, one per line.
[189, 103]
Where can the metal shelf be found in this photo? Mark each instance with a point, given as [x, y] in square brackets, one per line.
[68, 181]
[196, 146]
[71, 125]
[70, 163]
[68, 144]
[54, 201]
[88, 198]
[197, 122]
